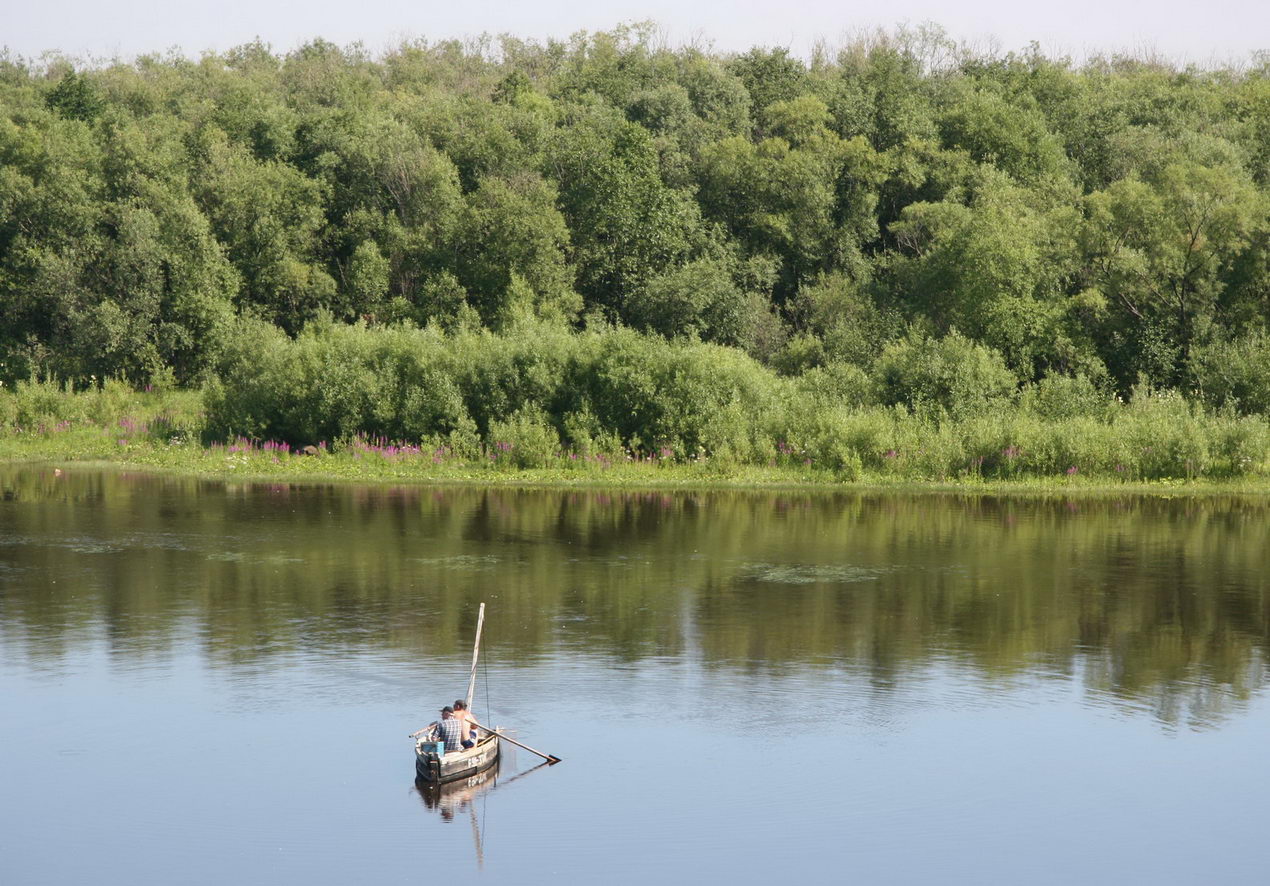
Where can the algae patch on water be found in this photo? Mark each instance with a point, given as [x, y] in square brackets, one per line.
[460, 563]
[809, 573]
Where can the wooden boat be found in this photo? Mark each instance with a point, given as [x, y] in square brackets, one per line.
[436, 764]
[452, 765]
[437, 769]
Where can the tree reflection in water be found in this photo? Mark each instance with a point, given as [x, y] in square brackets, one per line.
[1157, 604]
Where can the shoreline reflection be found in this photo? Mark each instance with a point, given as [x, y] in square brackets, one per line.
[1155, 602]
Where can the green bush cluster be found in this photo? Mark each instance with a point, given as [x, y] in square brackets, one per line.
[612, 387]
[48, 407]
[538, 394]
[1236, 373]
[950, 374]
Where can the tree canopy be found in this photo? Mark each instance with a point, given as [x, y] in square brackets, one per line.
[1109, 219]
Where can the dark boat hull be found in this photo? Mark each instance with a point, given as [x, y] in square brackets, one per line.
[453, 767]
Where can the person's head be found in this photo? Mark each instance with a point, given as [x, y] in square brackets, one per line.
[447, 712]
[460, 705]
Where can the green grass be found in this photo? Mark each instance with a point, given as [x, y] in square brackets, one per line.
[91, 447]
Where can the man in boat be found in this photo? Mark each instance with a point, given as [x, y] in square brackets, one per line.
[450, 730]
[464, 716]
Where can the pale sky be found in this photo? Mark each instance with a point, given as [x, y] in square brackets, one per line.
[1186, 30]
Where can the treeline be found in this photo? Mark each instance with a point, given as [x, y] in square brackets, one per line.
[1104, 224]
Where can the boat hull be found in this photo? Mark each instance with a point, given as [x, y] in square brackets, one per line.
[452, 767]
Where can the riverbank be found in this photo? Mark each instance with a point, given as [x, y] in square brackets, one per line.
[1157, 447]
[245, 462]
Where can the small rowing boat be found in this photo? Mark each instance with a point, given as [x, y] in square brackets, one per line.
[436, 767]
[437, 764]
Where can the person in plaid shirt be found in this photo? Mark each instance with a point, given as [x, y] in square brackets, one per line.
[450, 730]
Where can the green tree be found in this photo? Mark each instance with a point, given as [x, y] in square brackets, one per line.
[512, 229]
[1160, 248]
[700, 297]
[998, 269]
[76, 97]
[769, 76]
[627, 225]
[809, 202]
[268, 216]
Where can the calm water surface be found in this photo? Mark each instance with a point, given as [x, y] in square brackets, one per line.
[206, 683]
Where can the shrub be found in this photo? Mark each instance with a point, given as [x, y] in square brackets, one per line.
[583, 434]
[525, 440]
[688, 396]
[1239, 446]
[839, 384]
[1235, 373]
[334, 382]
[950, 374]
[1167, 435]
[1064, 396]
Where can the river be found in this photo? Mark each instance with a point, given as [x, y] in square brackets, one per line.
[210, 683]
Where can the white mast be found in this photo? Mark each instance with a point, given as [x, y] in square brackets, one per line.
[476, 651]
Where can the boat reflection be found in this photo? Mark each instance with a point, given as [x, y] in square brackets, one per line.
[457, 796]
[454, 798]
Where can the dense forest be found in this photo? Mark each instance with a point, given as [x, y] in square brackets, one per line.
[902, 223]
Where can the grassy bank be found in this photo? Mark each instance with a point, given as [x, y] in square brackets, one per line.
[1164, 447]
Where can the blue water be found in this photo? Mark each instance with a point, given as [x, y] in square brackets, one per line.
[221, 693]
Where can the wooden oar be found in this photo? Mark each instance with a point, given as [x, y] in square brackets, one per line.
[550, 758]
